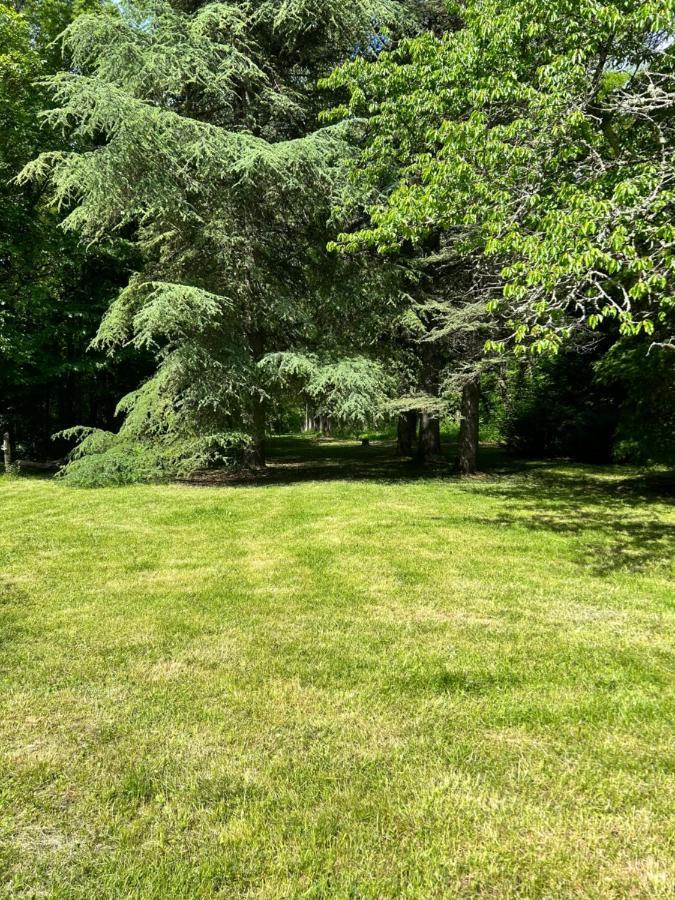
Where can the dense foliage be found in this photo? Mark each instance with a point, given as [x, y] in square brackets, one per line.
[538, 138]
[53, 290]
[608, 401]
[355, 213]
[208, 153]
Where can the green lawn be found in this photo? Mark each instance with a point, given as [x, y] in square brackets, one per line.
[351, 680]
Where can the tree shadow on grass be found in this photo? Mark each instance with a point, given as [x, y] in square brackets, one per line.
[297, 459]
[620, 522]
[617, 513]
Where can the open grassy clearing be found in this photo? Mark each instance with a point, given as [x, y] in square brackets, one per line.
[370, 685]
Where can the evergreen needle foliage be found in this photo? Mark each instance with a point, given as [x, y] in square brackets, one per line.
[206, 150]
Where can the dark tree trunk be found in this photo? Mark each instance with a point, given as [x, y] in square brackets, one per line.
[407, 432]
[325, 426]
[258, 451]
[467, 459]
[258, 455]
[429, 440]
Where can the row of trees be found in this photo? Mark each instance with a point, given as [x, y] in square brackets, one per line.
[366, 208]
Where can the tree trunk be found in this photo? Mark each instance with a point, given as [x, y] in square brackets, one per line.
[467, 460]
[429, 440]
[407, 432]
[258, 450]
[7, 450]
[258, 455]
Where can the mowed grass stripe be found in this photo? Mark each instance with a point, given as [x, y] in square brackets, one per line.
[344, 688]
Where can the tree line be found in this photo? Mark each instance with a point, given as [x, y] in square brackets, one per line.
[216, 215]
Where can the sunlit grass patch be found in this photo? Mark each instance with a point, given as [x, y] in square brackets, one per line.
[384, 686]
